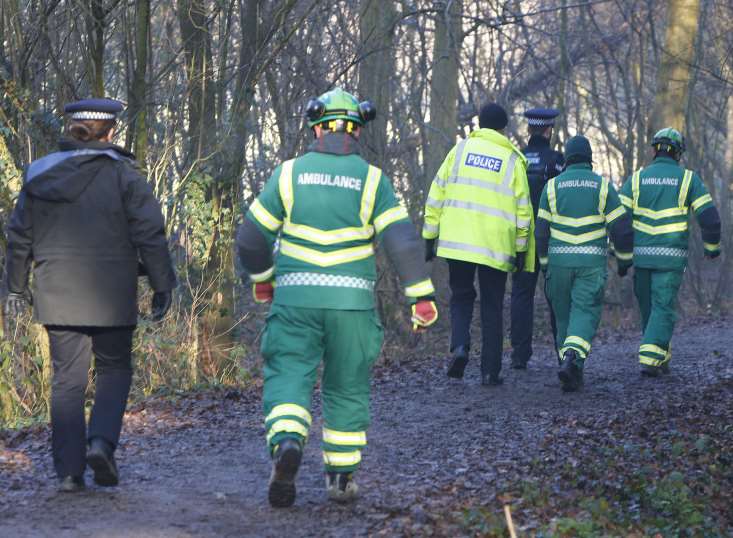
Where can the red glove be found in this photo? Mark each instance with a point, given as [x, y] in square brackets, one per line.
[263, 291]
[424, 314]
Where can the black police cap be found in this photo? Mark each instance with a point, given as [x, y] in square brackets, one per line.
[94, 109]
[541, 117]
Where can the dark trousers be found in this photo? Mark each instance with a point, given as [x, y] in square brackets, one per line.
[71, 354]
[492, 283]
[522, 314]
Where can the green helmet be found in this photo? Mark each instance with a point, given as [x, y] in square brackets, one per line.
[339, 105]
[669, 138]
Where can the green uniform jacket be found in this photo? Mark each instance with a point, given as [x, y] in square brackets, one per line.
[325, 210]
[579, 205]
[660, 197]
[478, 206]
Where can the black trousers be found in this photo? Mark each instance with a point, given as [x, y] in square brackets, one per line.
[71, 354]
[492, 284]
[522, 314]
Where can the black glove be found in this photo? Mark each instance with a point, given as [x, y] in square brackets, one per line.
[15, 305]
[712, 255]
[429, 249]
[623, 270]
[141, 269]
[519, 261]
[161, 304]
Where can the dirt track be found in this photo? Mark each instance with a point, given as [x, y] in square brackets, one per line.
[197, 467]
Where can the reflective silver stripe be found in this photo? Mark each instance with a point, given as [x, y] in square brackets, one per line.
[563, 249]
[457, 161]
[473, 182]
[440, 181]
[430, 228]
[523, 223]
[476, 250]
[486, 210]
[320, 279]
[523, 202]
[660, 251]
[432, 202]
[510, 170]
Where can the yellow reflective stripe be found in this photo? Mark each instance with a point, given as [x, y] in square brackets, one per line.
[551, 197]
[650, 362]
[264, 217]
[578, 341]
[289, 409]
[685, 188]
[388, 217]
[430, 231]
[625, 256]
[369, 194]
[701, 201]
[577, 222]
[653, 349]
[263, 276]
[658, 230]
[420, 289]
[635, 188]
[334, 437]
[603, 196]
[616, 213]
[285, 425]
[544, 214]
[285, 184]
[625, 200]
[326, 259]
[328, 237]
[711, 246]
[577, 239]
[342, 459]
[661, 214]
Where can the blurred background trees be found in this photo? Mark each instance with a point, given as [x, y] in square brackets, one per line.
[215, 91]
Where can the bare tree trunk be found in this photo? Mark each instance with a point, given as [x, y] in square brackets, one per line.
[444, 86]
[138, 133]
[673, 76]
[726, 208]
[95, 29]
[376, 24]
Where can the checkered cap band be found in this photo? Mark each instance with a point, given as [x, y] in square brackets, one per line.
[563, 249]
[660, 251]
[541, 122]
[319, 279]
[92, 115]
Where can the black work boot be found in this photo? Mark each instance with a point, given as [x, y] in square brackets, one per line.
[100, 457]
[570, 374]
[458, 362]
[648, 370]
[71, 484]
[285, 464]
[492, 380]
[341, 487]
[519, 364]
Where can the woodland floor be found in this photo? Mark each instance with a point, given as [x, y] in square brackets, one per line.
[627, 456]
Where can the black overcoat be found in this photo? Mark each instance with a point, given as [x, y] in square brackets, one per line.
[83, 218]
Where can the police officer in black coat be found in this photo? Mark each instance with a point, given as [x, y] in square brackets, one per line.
[83, 220]
[543, 163]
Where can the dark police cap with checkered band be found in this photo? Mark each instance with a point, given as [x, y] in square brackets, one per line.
[94, 109]
[541, 117]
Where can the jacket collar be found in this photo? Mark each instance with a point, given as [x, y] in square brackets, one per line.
[70, 144]
[495, 137]
[538, 141]
[665, 160]
[579, 166]
[335, 144]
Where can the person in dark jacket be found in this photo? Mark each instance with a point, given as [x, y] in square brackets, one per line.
[543, 163]
[84, 218]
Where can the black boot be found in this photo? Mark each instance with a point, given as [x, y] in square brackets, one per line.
[341, 487]
[570, 374]
[285, 464]
[71, 484]
[519, 364]
[492, 380]
[458, 361]
[648, 370]
[100, 457]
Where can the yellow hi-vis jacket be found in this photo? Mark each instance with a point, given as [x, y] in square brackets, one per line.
[479, 207]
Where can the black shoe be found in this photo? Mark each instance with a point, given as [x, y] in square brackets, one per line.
[100, 457]
[341, 487]
[570, 374]
[519, 364]
[285, 464]
[458, 362]
[72, 484]
[492, 380]
[648, 370]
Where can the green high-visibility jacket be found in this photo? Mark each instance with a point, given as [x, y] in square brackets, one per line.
[326, 210]
[660, 197]
[478, 206]
[581, 208]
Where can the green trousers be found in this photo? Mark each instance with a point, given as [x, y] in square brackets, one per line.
[656, 291]
[295, 342]
[576, 297]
